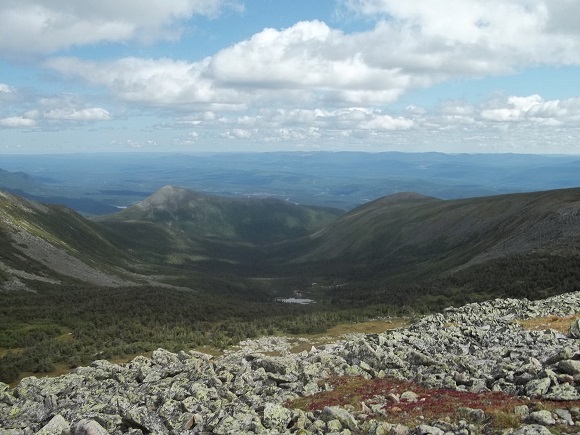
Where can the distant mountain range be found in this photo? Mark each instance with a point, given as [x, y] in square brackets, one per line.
[98, 184]
[390, 245]
[22, 184]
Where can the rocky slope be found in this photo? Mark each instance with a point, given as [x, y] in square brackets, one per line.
[470, 350]
[43, 243]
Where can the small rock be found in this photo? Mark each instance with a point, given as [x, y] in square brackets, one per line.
[418, 358]
[333, 426]
[575, 328]
[542, 417]
[532, 429]
[56, 426]
[276, 416]
[345, 418]
[380, 428]
[564, 353]
[538, 387]
[409, 396]
[569, 366]
[88, 427]
[393, 397]
[563, 392]
[427, 430]
[522, 411]
[399, 429]
[473, 415]
[565, 415]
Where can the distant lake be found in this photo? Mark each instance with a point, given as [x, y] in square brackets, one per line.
[294, 300]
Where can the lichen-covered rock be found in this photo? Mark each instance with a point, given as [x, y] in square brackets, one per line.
[538, 387]
[473, 415]
[563, 392]
[575, 328]
[140, 417]
[532, 429]
[571, 367]
[88, 427]
[345, 418]
[543, 417]
[425, 429]
[276, 417]
[56, 426]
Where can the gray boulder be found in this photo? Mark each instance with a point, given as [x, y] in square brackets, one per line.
[56, 426]
[575, 328]
[88, 427]
[543, 417]
[538, 387]
[569, 366]
[345, 418]
[532, 429]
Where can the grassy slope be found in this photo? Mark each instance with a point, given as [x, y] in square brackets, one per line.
[423, 236]
[60, 227]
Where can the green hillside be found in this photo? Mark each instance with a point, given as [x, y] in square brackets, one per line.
[48, 243]
[243, 219]
[418, 245]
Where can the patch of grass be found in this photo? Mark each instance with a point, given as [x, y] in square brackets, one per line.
[210, 350]
[127, 358]
[337, 332]
[58, 369]
[560, 324]
[371, 327]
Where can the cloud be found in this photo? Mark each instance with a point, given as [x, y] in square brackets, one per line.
[412, 45]
[25, 109]
[34, 26]
[534, 109]
[479, 35]
[387, 122]
[5, 89]
[88, 114]
[157, 82]
[238, 133]
[17, 122]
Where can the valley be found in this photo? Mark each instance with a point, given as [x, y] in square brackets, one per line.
[181, 269]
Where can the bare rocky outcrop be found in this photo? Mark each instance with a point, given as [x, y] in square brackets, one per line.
[475, 348]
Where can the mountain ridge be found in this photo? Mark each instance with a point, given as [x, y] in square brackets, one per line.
[46, 243]
[516, 222]
[255, 220]
[405, 235]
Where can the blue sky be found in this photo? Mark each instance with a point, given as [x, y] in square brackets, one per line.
[472, 76]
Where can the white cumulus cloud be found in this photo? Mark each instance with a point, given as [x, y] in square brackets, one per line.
[238, 133]
[88, 114]
[17, 122]
[34, 26]
[5, 89]
[311, 64]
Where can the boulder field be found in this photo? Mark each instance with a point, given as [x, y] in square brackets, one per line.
[478, 348]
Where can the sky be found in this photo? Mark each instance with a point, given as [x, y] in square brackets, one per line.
[473, 76]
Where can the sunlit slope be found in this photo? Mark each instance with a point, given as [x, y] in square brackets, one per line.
[47, 243]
